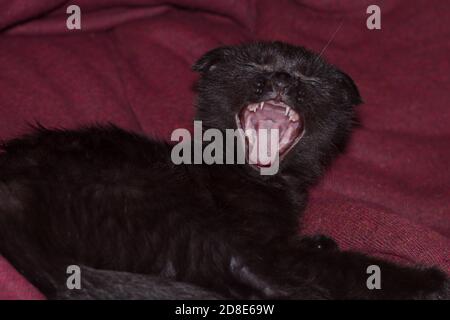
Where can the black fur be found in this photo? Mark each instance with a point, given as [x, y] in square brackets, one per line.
[107, 285]
[113, 200]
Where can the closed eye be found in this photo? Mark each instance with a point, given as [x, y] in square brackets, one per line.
[260, 67]
[312, 80]
[250, 65]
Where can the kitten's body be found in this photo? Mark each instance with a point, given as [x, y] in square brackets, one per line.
[116, 201]
[113, 200]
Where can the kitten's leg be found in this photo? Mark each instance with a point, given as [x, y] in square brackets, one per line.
[267, 286]
[344, 275]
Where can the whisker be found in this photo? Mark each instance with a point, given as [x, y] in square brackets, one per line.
[331, 39]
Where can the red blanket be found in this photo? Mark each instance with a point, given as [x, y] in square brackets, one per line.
[389, 195]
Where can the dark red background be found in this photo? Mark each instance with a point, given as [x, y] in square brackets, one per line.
[388, 195]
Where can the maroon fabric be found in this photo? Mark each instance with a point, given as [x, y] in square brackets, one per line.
[387, 196]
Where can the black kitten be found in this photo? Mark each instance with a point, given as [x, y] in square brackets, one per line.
[114, 200]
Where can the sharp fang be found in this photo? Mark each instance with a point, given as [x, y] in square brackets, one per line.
[252, 107]
[293, 117]
[288, 109]
[261, 105]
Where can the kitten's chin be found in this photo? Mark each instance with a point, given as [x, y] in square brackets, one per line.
[271, 129]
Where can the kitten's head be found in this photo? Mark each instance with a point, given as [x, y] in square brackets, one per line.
[273, 85]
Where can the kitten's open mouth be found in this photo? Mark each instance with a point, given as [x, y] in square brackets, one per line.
[273, 116]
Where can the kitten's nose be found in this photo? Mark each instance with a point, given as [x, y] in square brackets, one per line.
[280, 81]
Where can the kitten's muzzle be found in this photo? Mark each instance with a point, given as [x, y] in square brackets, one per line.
[274, 86]
[280, 81]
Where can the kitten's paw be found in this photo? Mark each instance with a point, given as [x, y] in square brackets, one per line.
[442, 294]
[418, 284]
[438, 286]
[319, 242]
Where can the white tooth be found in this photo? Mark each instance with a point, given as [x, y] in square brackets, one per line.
[288, 109]
[261, 105]
[293, 117]
[252, 107]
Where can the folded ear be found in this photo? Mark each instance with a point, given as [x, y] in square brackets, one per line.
[210, 59]
[350, 90]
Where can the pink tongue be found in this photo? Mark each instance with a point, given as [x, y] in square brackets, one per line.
[267, 124]
[271, 133]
